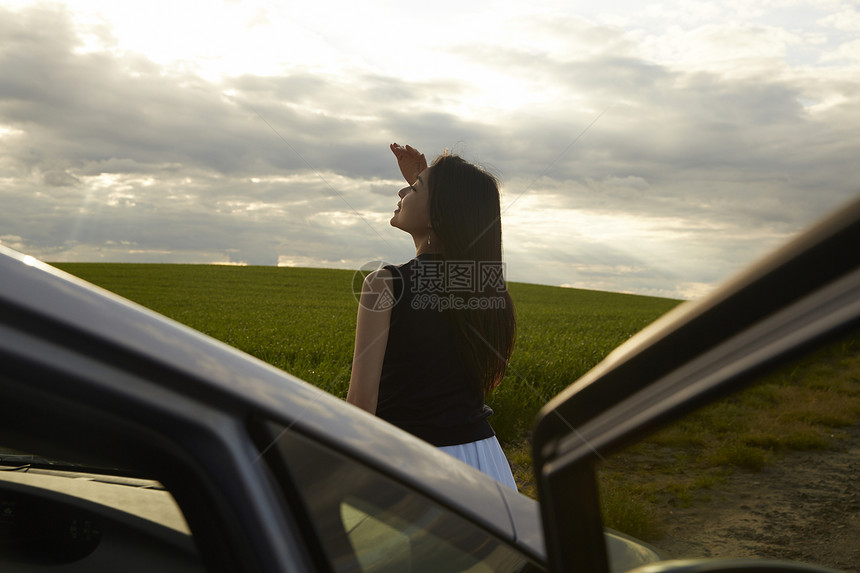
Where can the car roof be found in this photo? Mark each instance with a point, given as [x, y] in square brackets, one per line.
[43, 301]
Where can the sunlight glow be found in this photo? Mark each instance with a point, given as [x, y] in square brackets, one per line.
[6, 131]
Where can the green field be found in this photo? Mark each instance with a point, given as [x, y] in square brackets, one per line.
[303, 321]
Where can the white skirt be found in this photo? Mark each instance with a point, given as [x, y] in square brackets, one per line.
[487, 456]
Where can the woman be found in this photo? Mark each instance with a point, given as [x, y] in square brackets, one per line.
[434, 335]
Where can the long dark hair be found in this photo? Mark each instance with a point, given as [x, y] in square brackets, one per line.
[465, 213]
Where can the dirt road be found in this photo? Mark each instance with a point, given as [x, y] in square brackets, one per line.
[805, 508]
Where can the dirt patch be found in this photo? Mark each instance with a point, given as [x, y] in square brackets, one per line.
[803, 508]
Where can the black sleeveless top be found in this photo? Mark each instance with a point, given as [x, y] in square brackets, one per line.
[425, 387]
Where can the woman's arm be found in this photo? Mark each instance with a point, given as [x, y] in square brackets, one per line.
[371, 338]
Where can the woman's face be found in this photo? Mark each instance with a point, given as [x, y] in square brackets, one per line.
[413, 210]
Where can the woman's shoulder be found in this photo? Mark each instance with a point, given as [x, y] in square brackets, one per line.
[379, 279]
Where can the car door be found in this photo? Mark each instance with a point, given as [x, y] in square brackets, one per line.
[804, 296]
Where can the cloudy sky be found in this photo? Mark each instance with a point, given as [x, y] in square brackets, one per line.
[646, 147]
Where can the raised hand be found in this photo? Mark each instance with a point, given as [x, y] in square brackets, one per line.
[410, 160]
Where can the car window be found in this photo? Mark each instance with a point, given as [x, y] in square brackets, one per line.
[367, 522]
[57, 514]
[769, 472]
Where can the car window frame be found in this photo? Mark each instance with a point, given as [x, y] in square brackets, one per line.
[799, 297]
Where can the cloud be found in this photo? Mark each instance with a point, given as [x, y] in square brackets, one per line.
[699, 145]
[632, 158]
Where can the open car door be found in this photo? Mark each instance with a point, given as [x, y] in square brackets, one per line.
[803, 296]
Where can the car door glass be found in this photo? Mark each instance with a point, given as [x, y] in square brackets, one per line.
[368, 522]
[770, 472]
[377, 545]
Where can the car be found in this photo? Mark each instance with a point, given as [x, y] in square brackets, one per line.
[130, 442]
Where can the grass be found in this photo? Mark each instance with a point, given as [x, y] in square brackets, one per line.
[303, 321]
[800, 407]
[300, 320]
[561, 334]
